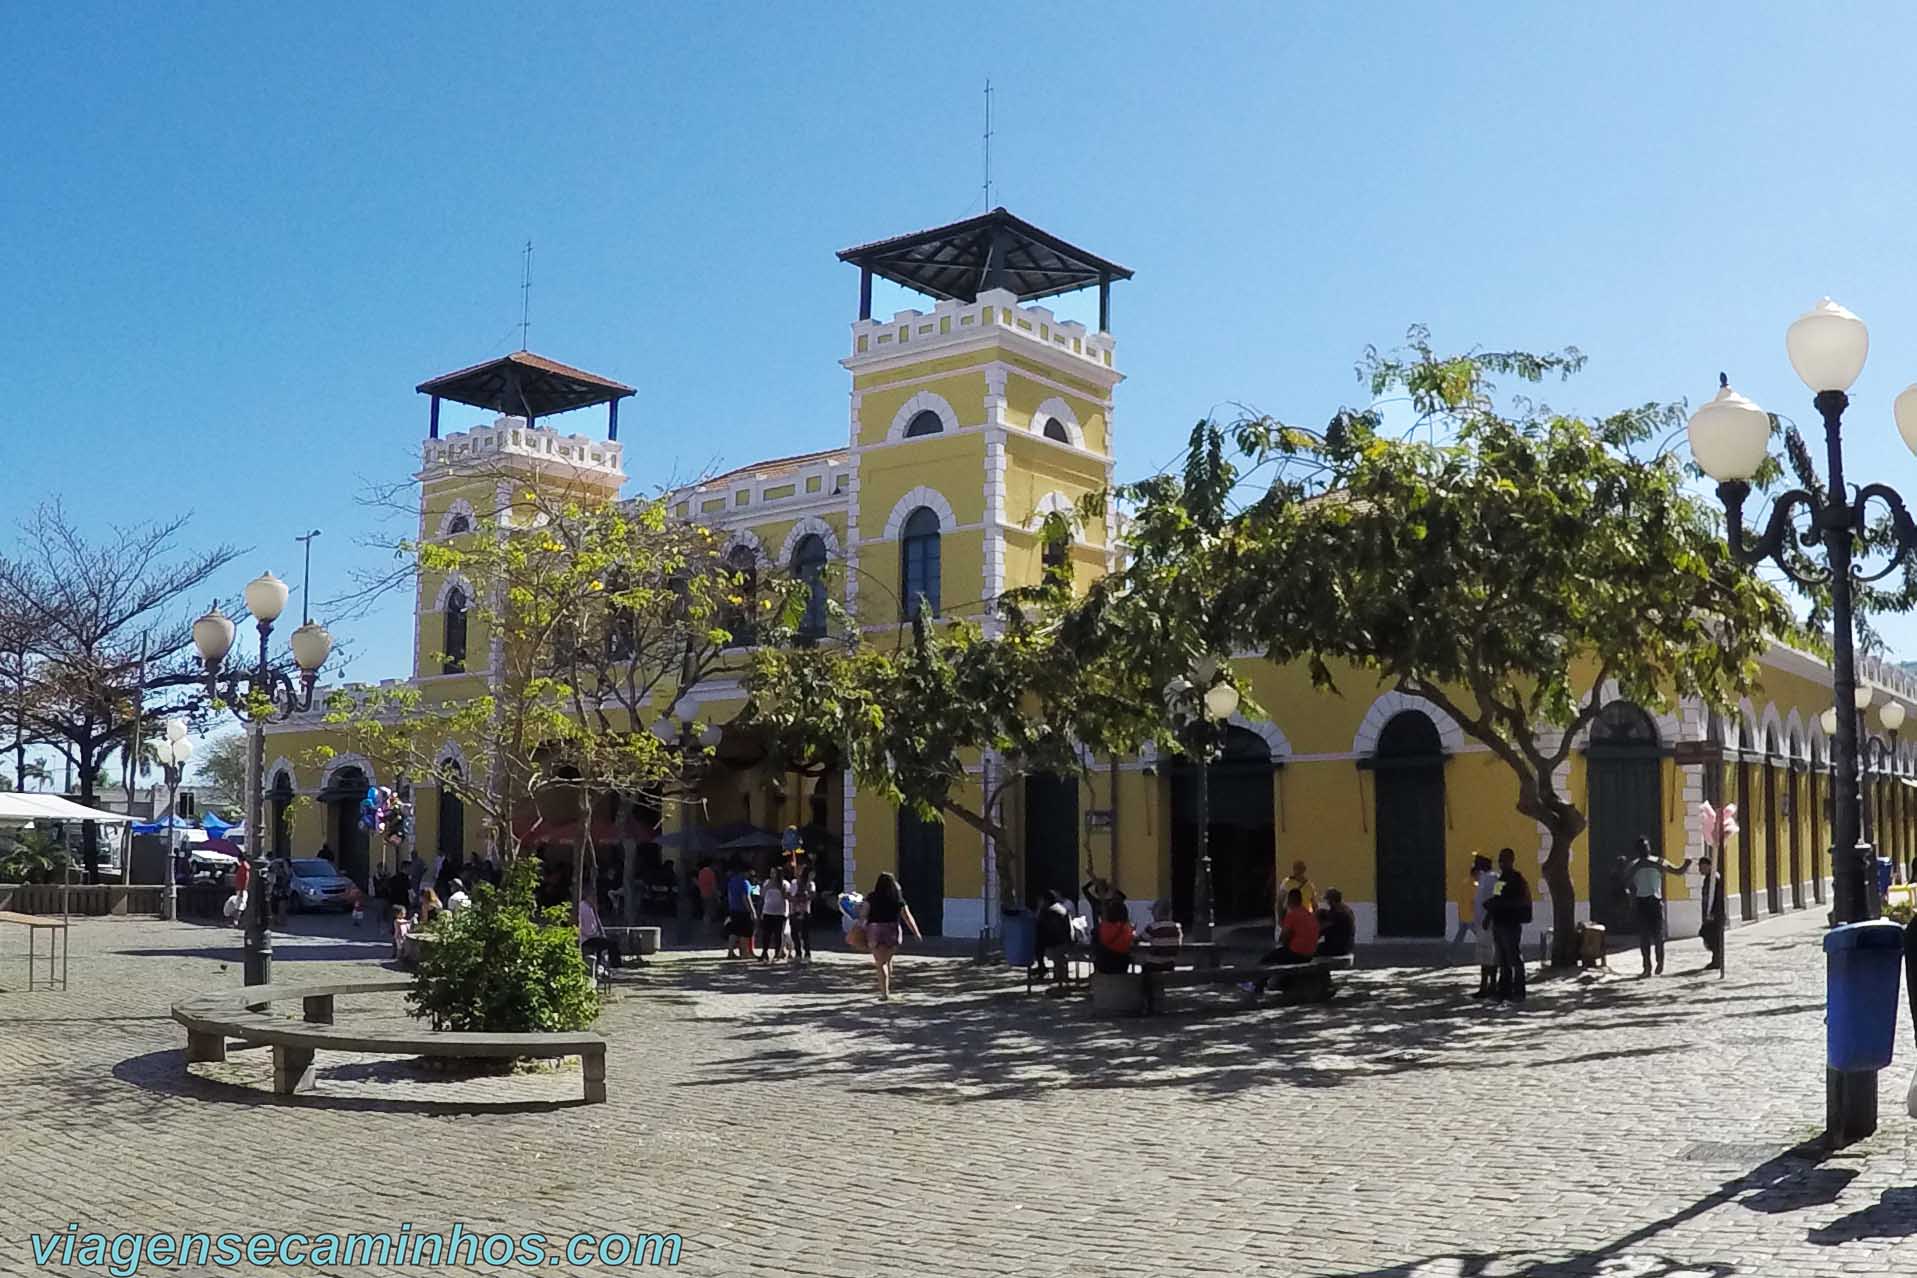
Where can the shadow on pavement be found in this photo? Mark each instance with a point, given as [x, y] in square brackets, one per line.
[961, 1033]
[1787, 1181]
[164, 1075]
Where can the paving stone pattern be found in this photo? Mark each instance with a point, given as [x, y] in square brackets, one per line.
[784, 1122]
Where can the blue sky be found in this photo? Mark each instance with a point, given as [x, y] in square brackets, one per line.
[235, 237]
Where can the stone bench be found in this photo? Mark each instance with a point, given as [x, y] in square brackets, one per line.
[1121, 993]
[211, 1019]
[643, 941]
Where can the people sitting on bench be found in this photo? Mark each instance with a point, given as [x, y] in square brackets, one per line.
[1054, 935]
[1297, 933]
[1112, 947]
[1337, 926]
[1163, 934]
[592, 933]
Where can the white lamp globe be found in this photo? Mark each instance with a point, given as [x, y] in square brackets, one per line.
[1827, 345]
[213, 635]
[1863, 697]
[1904, 407]
[181, 750]
[176, 729]
[1828, 720]
[311, 642]
[1892, 715]
[1220, 700]
[1729, 436]
[266, 597]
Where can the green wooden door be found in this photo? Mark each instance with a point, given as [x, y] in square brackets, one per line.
[1625, 770]
[1409, 803]
[922, 871]
[1051, 837]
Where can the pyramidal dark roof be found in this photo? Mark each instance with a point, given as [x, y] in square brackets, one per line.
[993, 250]
[526, 385]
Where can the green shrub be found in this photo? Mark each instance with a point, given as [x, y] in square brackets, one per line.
[32, 857]
[503, 966]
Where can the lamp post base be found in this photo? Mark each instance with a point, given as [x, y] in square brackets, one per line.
[1850, 1107]
[257, 961]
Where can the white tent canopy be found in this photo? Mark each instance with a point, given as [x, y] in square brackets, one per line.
[51, 807]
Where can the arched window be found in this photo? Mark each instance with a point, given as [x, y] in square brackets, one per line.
[459, 525]
[1057, 554]
[455, 644]
[808, 565]
[743, 563]
[1055, 429]
[925, 423]
[919, 562]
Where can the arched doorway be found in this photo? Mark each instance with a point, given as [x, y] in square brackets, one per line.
[1243, 836]
[1773, 875]
[1408, 806]
[1747, 825]
[922, 870]
[344, 793]
[451, 838]
[1625, 767]
[1794, 810]
[1819, 827]
[280, 799]
[1051, 837]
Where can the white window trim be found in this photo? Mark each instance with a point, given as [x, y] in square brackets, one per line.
[807, 527]
[459, 507]
[1057, 407]
[924, 401]
[920, 496]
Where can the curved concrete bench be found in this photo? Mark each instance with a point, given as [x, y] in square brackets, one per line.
[211, 1019]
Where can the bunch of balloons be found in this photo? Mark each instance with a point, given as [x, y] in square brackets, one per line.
[382, 811]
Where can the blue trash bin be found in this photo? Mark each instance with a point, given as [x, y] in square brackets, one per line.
[1860, 1018]
[1021, 938]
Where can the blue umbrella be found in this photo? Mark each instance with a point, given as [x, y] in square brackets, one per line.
[213, 825]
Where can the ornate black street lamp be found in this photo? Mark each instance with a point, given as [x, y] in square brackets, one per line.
[173, 751]
[1730, 437]
[1199, 704]
[254, 696]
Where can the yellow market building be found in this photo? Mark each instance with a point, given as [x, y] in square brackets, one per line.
[968, 423]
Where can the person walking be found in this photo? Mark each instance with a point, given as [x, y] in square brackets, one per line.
[1508, 910]
[886, 915]
[1711, 929]
[805, 891]
[1484, 883]
[1644, 878]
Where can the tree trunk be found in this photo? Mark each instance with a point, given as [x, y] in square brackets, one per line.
[90, 830]
[582, 849]
[1556, 873]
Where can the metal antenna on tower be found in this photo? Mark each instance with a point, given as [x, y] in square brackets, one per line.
[525, 297]
[988, 145]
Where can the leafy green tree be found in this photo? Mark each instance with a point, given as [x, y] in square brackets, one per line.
[950, 721]
[599, 616]
[1503, 561]
[221, 771]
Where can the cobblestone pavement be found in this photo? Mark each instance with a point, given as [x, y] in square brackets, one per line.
[785, 1123]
